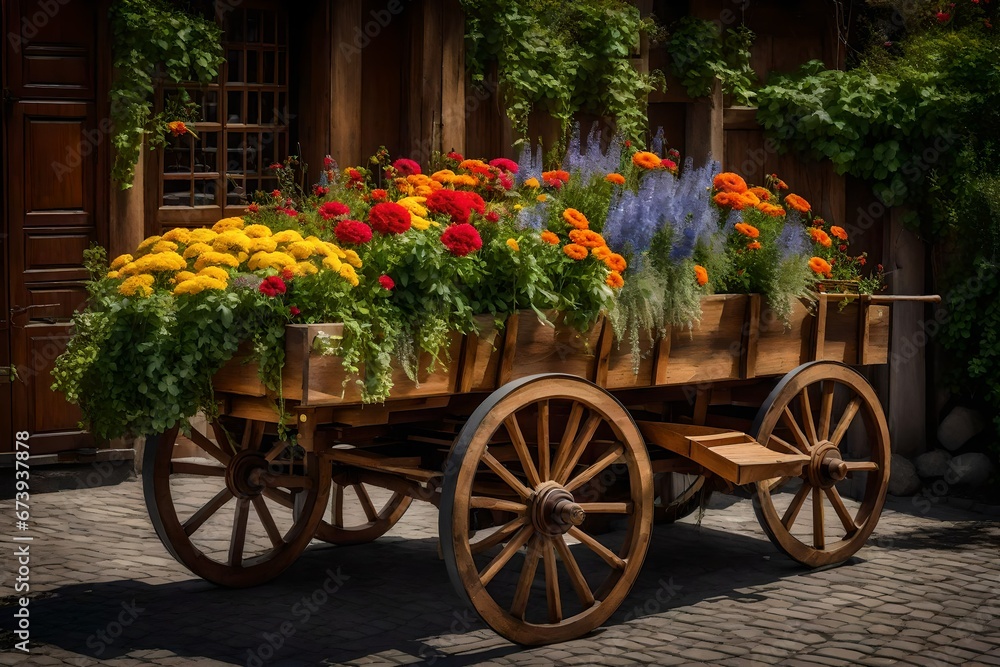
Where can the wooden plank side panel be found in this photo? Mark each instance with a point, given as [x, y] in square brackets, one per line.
[542, 348]
[781, 348]
[713, 349]
[345, 83]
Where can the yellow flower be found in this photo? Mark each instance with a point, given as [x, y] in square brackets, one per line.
[443, 176]
[156, 263]
[287, 236]
[148, 243]
[164, 246]
[202, 235]
[181, 276]
[120, 261]
[300, 249]
[262, 244]
[532, 183]
[518, 207]
[226, 224]
[178, 235]
[420, 224]
[112, 274]
[141, 285]
[257, 231]
[230, 241]
[199, 284]
[512, 244]
[352, 259]
[196, 249]
[305, 269]
[213, 258]
[336, 250]
[242, 257]
[333, 263]
[215, 272]
[271, 260]
[414, 205]
[542, 197]
[348, 273]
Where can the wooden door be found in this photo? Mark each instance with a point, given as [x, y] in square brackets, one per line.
[55, 209]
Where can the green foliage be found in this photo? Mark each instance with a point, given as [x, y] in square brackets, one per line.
[154, 40]
[700, 53]
[562, 58]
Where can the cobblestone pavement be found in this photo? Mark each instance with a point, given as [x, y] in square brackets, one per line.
[926, 590]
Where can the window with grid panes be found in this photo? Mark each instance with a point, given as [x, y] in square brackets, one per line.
[243, 127]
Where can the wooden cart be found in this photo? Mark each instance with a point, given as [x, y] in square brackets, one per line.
[549, 454]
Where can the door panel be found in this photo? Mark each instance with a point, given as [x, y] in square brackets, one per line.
[52, 56]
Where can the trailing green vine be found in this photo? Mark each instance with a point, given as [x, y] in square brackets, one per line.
[155, 40]
[700, 53]
[562, 58]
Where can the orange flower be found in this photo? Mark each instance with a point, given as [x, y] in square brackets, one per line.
[820, 237]
[615, 262]
[177, 128]
[729, 200]
[556, 174]
[798, 203]
[839, 232]
[820, 266]
[586, 238]
[615, 280]
[763, 194]
[700, 274]
[753, 245]
[542, 197]
[532, 183]
[615, 178]
[575, 219]
[574, 251]
[750, 199]
[646, 160]
[472, 164]
[601, 252]
[550, 238]
[512, 244]
[770, 209]
[727, 181]
[747, 230]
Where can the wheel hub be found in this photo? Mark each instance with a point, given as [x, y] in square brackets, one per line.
[554, 511]
[244, 474]
[827, 466]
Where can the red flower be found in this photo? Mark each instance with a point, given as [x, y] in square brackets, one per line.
[457, 157]
[506, 181]
[669, 165]
[276, 194]
[333, 209]
[389, 218]
[272, 286]
[628, 144]
[289, 212]
[294, 311]
[387, 283]
[177, 128]
[275, 165]
[406, 167]
[328, 162]
[357, 181]
[353, 231]
[943, 17]
[842, 247]
[505, 165]
[287, 273]
[253, 208]
[493, 216]
[461, 239]
[320, 190]
[379, 195]
[554, 182]
[459, 205]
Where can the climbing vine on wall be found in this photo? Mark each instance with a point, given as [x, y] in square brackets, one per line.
[700, 53]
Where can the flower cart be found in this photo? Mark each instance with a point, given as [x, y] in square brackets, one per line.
[547, 452]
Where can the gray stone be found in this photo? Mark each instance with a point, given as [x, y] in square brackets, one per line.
[972, 470]
[903, 478]
[932, 464]
[961, 424]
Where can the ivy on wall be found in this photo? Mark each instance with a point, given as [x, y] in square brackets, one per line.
[700, 52]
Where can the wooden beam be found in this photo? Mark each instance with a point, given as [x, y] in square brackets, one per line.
[345, 82]
[704, 136]
[453, 78]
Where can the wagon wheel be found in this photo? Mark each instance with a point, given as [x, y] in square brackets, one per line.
[677, 495]
[563, 432]
[811, 411]
[226, 513]
[360, 513]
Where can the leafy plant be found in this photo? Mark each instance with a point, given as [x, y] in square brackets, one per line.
[153, 40]
[700, 53]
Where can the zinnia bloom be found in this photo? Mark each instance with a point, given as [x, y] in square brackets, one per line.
[820, 266]
[556, 175]
[820, 237]
[456, 156]
[332, 209]
[406, 167]
[839, 232]
[763, 194]
[646, 160]
[615, 262]
[586, 238]
[532, 183]
[387, 283]
[747, 230]
[615, 280]
[750, 199]
[550, 238]
[798, 203]
[770, 209]
[389, 218]
[461, 239]
[575, 251]
[615, 178]
[575, 219]
[727, 181]
[353, 231]
[505, 165]
[458, 205]
[729, 200]
[378, 194]
[272, 286]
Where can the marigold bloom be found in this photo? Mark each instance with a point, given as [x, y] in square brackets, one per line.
[332, 262]
[615, 178]
[202, 235]
[112, 274]
[226, 224]
[261, 244]
[601, 252]
[586, 238]
[615, 262]
[512, 244]
[147, 244]
[232, 240]
[701, 274]
[550, 238]
[747, 230]
[556, 175]
[839, 232]
[215, 272]
[287, 236]
[754, 245]
[770, 209]
[141, 285]
[575, 251]
[461, 239]
[300, 250]
[177, 128]
[750, 199]
[646, 160]
[257, 231]
[305, 269]
[532, 183]
[156, 263]
[198, 284]
[615, 280]
[763, 194]
[178, 235]
[729, 200]
[120, 261]
[196, 249]
[181, 276]
[542, 198]
[820, 266]
[352, 258]
[348, 273]
[820, 237]
[213, 258]
[414, 205]
[798, 203]
[576, 219]
[727, 181]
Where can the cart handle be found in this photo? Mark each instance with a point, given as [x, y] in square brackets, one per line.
[884, 298]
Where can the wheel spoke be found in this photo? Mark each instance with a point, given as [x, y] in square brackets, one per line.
[793, 426]
[552, 596]
[502, 558]
[612, 455]
[819, 539]
[210, 447]
[575, 575]
[807, 416]
[337, 507]
[569, 435]
[265, 518]
[521, 447]
[607, 508]
[793, 508]
[497, 504]
[283, 498]
[841, 509]
[501, 534]
[276, 451]
[366, 502]
[188, 468]
[862, 466]
[606, 554]
[579, 445]
[195, 521]
[221, 436]
[826, 409]
[239, 532]
[506, 475]
[543, 440]
[287, 481]
[527, 578]
[783, 444]
[845, 420]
